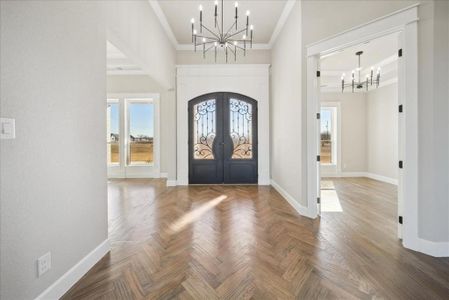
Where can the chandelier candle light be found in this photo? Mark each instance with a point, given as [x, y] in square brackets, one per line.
[232, 40]
[359, 84]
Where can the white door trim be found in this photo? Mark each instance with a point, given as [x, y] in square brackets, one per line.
[404, 21]
[196, 80]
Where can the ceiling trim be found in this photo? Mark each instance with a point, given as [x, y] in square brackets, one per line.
[189, 47]
[163, 20]
[281, 22]
[184, 47]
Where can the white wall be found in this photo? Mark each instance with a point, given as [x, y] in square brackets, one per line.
[433, 121]
[382, 131]
[369, 132]
[287, 110]
[252, 57]
[353, 136]
[53, 175]
[134, 28]
[321, 21]
[145, 84]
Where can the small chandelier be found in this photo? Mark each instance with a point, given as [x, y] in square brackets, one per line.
[230, 41]
[359, 84]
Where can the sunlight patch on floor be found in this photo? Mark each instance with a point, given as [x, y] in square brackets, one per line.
[330, 201]
[195, 214]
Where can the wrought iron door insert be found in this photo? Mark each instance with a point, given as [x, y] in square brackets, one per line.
[222, 139]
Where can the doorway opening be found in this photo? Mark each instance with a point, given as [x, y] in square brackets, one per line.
[403, 23]
[223, 139]
[359, 121]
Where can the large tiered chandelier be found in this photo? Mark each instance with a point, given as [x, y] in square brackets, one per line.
[358, 83]
[216, 38]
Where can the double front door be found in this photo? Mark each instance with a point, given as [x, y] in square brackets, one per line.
[222, 139]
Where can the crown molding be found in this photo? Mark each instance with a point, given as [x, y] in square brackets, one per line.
[163, 20]
[281, 22]
[184, 47]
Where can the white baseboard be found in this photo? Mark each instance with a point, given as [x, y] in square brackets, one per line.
[164, 175]
[344, 174]
[302, 210]
[382, 178]
[362, 174]
[66, 281]
[171, 183]
[436, 249]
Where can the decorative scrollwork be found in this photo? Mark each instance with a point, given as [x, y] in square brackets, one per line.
[241, 129]
[204, 129]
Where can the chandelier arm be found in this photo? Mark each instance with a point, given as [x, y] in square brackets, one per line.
[210, 47]
[234, 34]
[219, 29]
[206, 37]
[211, 32]
[232, 51]
[238, 40]
[232, 26]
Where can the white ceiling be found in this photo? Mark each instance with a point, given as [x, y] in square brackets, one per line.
[380, 52]
[265, 16]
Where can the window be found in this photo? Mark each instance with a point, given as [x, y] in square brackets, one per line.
[113, 132]
[140, 132]
[133, 135]
[328, 145]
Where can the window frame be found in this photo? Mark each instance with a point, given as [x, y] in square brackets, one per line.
[127, 102]
[115, 101]
[335, 166]
[135, 170]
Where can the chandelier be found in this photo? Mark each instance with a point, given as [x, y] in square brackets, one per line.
[359, 83]
[230, 41]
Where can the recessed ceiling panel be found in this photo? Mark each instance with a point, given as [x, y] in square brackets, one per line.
[264, 16]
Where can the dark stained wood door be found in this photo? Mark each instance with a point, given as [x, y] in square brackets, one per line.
[223, 139]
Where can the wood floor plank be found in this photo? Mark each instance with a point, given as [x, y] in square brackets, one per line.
[246, 242]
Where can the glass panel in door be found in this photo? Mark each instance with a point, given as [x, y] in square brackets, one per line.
[204, 129]
[240, 124]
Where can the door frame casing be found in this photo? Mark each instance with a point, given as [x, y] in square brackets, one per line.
[405, 22]
[248, 80]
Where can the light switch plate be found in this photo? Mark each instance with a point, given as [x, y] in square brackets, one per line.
[7, 128]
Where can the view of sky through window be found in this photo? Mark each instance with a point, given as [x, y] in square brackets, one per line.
[326, 120]
[114, 123]
[141, 119]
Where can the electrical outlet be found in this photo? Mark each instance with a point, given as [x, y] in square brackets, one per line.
[43, 264]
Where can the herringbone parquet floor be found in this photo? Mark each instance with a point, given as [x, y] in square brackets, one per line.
[246, 242]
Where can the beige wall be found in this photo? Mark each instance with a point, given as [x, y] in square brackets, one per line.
[193, 58]
[353, 136]
[369, 130]
[286, 110]
[53, 175]
[382, 131]
[144, 84]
